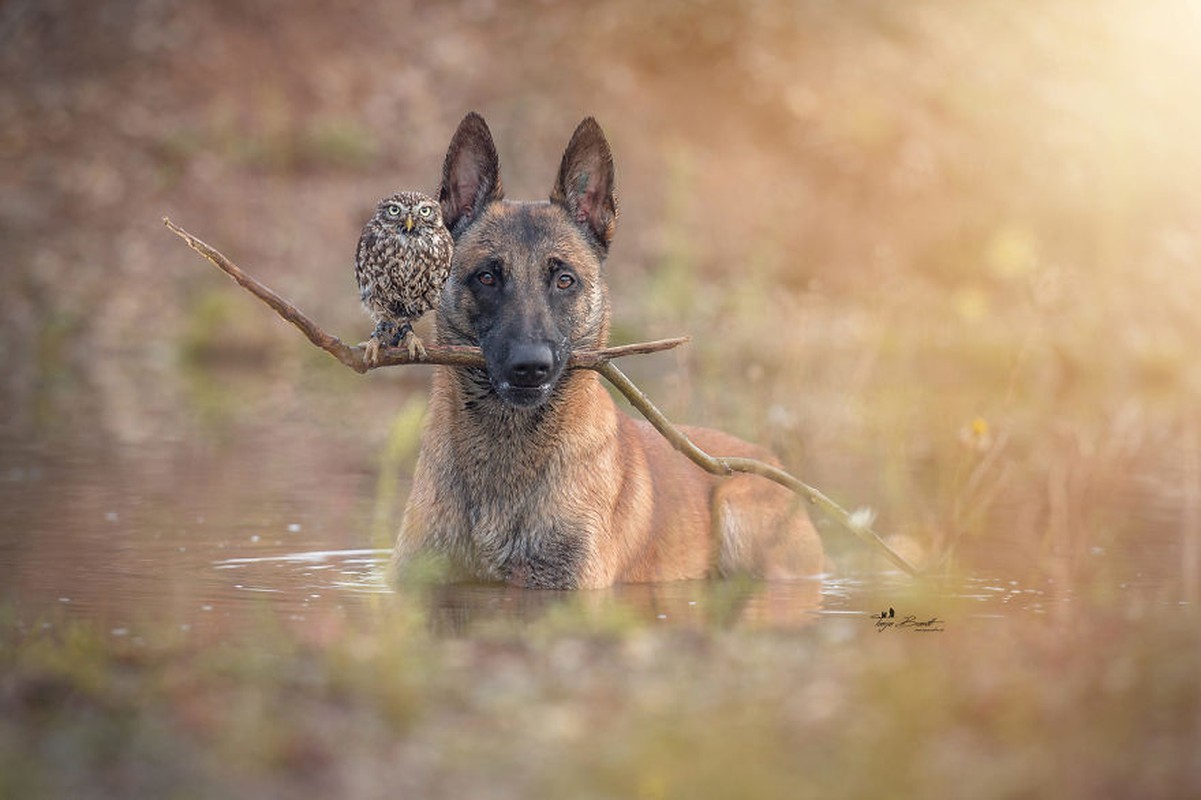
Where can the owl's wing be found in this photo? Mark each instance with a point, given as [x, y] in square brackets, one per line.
[367, 243]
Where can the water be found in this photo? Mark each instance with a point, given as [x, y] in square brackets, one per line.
[300, 582]
[211, 528]
[299, 586]
[171, 533]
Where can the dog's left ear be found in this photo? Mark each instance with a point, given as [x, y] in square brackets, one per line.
[585, 184]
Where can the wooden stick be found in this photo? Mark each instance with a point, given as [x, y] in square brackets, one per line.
[598, 360]
[353, 355]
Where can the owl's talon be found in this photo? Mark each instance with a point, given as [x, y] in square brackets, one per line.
[415, 346]
[399, 332]
[371, 349]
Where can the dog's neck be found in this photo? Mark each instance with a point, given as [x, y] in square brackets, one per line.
[477, 410]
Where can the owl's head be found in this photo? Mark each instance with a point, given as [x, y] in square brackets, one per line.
[406, 212]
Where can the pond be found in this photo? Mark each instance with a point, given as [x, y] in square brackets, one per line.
[211, 537]
[193, 596]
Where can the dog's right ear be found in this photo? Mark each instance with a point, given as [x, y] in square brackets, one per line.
[470, 174]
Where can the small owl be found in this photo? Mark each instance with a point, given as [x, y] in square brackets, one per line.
[402, 261]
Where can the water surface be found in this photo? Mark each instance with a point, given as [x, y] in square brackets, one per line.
[265, 524]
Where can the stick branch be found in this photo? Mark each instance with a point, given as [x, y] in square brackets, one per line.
[353, 355]
[598, 360]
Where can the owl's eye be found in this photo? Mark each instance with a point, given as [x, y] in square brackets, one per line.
[426, 212]
[565, 280]
[393, 210]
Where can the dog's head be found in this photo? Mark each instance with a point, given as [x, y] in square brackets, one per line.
[525, 283]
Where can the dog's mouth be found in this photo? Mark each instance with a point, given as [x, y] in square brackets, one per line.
[523, 396]
[524, 374]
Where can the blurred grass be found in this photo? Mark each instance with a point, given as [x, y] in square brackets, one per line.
[399, 457]
[581, 703]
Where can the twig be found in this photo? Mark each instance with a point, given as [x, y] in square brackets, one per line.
[598, 360]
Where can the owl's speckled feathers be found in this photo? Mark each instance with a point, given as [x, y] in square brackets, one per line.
[402, 261]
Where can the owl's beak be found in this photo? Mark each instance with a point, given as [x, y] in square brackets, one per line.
[409, 223]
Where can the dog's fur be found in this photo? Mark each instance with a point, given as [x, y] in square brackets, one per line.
[527, 473]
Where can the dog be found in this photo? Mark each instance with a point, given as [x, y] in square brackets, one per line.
[528, 474]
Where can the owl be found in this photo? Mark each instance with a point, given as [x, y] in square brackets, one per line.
[402, 261]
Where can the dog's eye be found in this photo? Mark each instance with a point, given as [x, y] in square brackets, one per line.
[486, 278]
[393, 210]
[565, 280]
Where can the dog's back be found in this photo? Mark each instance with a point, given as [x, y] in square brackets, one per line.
[527, 472]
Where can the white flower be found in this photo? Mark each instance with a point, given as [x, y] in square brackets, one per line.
[862, 518]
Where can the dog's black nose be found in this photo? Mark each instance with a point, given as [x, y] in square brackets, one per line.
[530, 364]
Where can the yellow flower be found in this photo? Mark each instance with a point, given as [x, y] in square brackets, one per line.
[976, 435]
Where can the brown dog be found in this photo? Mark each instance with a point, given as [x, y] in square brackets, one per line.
[527, 473]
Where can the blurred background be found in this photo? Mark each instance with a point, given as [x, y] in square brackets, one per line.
[943, 257]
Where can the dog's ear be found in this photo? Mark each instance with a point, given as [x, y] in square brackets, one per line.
[470, 174]
[585, 184]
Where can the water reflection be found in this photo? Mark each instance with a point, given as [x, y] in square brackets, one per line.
[301, 583]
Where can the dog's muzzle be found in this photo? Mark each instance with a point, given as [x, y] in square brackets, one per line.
[527, 375]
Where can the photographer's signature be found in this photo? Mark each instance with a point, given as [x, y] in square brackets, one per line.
[888, 620]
